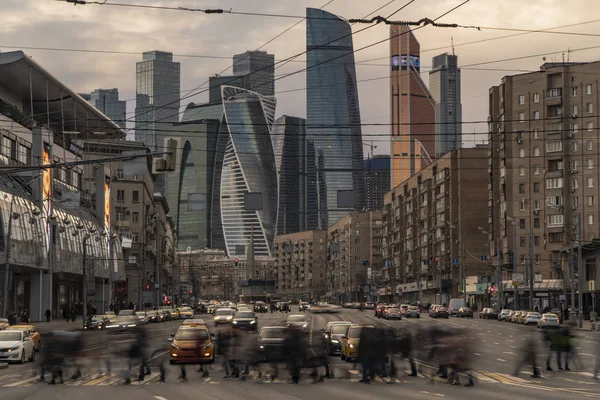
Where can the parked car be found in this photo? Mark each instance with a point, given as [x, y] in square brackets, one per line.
[392, 313]
[455, 305]
[503, 315]
[465, 312]
[532, 318]
[440, 312]
[548, 321]
[380, 310]
[432, 309]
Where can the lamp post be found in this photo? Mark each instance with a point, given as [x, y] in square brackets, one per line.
[85, 277]
[513, 221]
[499, 282]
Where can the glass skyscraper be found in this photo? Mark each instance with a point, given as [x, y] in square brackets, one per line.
[248, 167]
[107, 102]
[259, 67]
[333, 115]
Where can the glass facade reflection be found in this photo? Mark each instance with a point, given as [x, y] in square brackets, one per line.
[248, 166]
[333, 115]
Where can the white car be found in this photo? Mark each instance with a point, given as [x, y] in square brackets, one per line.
[532, 318]
[548, 320]
[16, 346]
[297, 321]
[223, 316]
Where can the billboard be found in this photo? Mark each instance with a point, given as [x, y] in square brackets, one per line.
[46, 180]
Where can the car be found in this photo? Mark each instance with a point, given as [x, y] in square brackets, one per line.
[123, 324]
[454, 305]
[485, 313]
[548, 320]
[192, 344]
[4, 323]
[404, 308]
[271, 340]
[126, 313]
[32, 332]
[440, 312]
[142, 317]
[154, 317]
[413, 312]
[531, 318]
[223, 316]
[522, 316]
[261, 307]
[349, 343]
[112, 317]
[245, 320]
[392, 313]
[330, 325]
[432, 309]
[333, 339]
[369, 306]
[504, 314]
[465, 312]
[325, 308]
[380, 309]
[96, 323]
[186, 313]
[303, 306]
[16, 346]
[175, 315]
[297, 321]
[514, 316]
[193, 322]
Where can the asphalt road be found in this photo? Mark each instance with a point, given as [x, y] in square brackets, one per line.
[498, 348]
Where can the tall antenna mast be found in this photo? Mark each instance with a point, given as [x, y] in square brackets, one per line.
[452, 41]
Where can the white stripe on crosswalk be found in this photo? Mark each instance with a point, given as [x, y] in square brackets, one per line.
[147, 379]
[22, 382]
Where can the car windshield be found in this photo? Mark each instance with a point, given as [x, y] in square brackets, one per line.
[125, 313]
[224, 311]
[412, 308]
[340, 329]
[550, 316]
[244, 314]
[273, 333]
[466, 309]
[186, 309]
[404, 306]
[141, 313]
[391, 309]
[10, 336]
[440, 308]
[354, 333]
[191, 334]
[126, 319]
[533, 314]
[97, 318]
[110, 313]
[296, 318]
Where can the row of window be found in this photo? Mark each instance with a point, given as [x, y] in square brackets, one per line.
[555, 92]
[135, 196]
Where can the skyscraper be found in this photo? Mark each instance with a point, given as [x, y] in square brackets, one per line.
[215, 83]
[260, 69]
[333, 116]
[107, 102]
[444, 84]
[248, 167]
[413, 108]
[377, 181]
[157, 96]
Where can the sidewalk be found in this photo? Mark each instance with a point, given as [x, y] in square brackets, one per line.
[58, 325]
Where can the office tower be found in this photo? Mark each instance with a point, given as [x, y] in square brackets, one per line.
[289, 146]
[215, 83]
[248, 167]
[413, 108]
[157, 96]
[377, 181]
[444, 85]
[333, 117]
[190, 187]
[107, 102]
[544, 177]
[260, 69]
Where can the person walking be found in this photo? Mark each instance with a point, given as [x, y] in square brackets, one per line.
[48, 314]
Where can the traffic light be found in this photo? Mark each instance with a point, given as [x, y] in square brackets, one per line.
[437, 259]
[190, 292]
[147, 286]
[492, 289]
[236, 262]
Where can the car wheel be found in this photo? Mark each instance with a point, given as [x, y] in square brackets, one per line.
[172, 362]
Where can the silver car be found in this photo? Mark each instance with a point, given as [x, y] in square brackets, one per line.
[297, 321]
[548, 320]
[224, 316]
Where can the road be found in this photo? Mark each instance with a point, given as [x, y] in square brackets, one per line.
[497, 351]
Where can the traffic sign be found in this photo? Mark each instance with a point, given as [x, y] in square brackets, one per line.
[425, 262]
[157, 286]
[455, 261]
[562, 298]
[389, 264]
[484, 258]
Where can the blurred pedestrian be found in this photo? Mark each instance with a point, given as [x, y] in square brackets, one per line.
[528, 357]
[48, 314]
[25, 317]
[366, 353]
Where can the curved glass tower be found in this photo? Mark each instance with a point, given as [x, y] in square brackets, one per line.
[248, 166]
[333, 115]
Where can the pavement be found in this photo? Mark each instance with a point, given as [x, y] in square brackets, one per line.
[58, 325]
[498, 348]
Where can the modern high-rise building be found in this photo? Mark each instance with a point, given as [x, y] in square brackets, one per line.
[377, 181]
[107, 101]
[544, 178]
[333, 117]
[215, 83]
[157, 96]
[444, 85]
[259, 67]
[413, 108]
[248, 166]
[289, 145]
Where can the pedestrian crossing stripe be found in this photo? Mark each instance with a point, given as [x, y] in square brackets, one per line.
[98, 380]
[21, 382]
[147, 379]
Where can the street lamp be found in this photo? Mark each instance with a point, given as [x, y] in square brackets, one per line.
[513, 221]
[499, 280]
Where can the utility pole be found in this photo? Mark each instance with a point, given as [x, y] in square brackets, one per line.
[572, 281]
[580, 270]
[156, 266]
[514, 260]
[499, 282]
[85, 278]
[531, 274]
[464, 273]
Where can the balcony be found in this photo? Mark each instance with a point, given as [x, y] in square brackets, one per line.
[555, 128]
[554, 96]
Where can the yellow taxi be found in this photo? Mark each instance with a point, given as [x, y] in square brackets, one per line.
[186, 313]
[4, 323]
[193, 344]
[350, 342]
[33, 334]
[175, 313]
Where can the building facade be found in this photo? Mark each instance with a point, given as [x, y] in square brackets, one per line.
[157, 96]
[413, 108]
[300, 265]
[355, 259]
[333, 117]
[259, 69]
[107, 101]
[377, 181]
[432, 229]
[215, 83]
[444, 85]
[543, 172]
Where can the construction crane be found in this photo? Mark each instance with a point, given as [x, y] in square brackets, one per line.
[372, 147]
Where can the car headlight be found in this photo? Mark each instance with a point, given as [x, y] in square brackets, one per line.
[305, 325]
[216, 318]
[252, 322]
[230, 317]
[234, 322]
[16, 348]
[326, 336]
[262, 347]
[334, 341]
[351, 346]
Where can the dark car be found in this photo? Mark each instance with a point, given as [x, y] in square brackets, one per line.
[261, 307]
[369, 306]
[270, 342]
[440, 312]
[333, 340]
[96, 323]
[489, 313]
[380, 310]
[465, 312]
[123, 325]
[245, 320]
[154, 317]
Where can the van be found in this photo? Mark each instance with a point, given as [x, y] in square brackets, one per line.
[454, 305]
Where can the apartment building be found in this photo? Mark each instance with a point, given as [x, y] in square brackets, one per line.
[432, 229]
[300, 261]
[355, 257]
[543, 171]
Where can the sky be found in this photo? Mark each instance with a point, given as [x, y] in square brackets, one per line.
[56, 24]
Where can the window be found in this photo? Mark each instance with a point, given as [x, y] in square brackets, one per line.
[554, 183]
[521, 188]
[538, 258]
[135, 216]
[521, 99]
[588, 89]
[554, 146]
[119, 174]
[590, 182]
[574, 110]
[120, 196]
[555, 200]
[536, 187]
[590, 163]
[521, 153]
[591, 219]
[135, 237]
[574, 165]
[521, 117]
[136, 196]
[590, 201]
[536, 169]
[536, 241]
[574, 183]
[536, 223]
[536, 133]
[522, 204]
[589, 145]
[574, 91]
[574, 146]
[536, 97]
[522, 224]
[521, 170]
[556, 237]
[536, 115]
[536, 205]
[536, 151]
[575, 201]
[522, 241]
[555, 220]
[590, 126]
[574, 128]
[589, 108]
[120, 213]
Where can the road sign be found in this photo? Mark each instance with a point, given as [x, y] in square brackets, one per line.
[425, 262]
[562, 298]
[518, 277]
[591, 286]
[389, 264]
[157, 286]
[455, 261]
[484, 258]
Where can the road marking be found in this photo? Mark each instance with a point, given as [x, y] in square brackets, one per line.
[434, 394]
[587, 354]
[152, 376]
[499, 359]
[24, 381]
[496, 343]
[159, 398]
[477, 354]
[98, 380]
[511, 353]
[472, 338]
